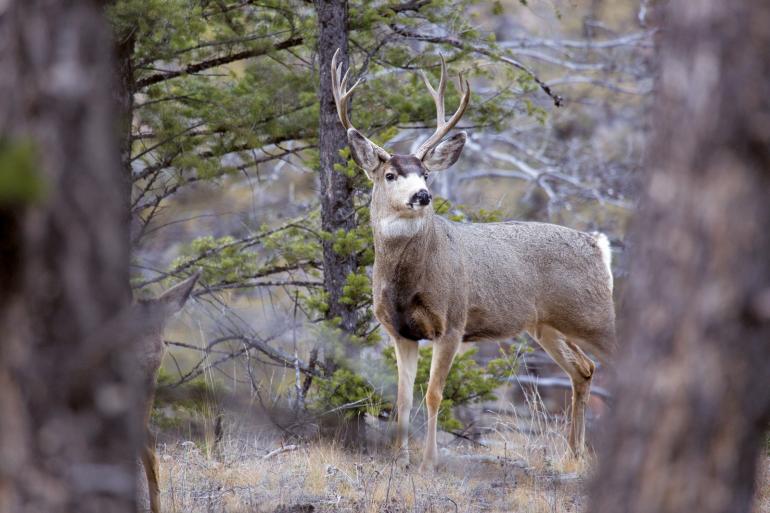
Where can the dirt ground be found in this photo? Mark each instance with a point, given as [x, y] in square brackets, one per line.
[521, 464]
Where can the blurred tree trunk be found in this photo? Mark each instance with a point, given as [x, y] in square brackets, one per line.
[694, 379]
[68, 424]
[337, 208]
[124, 96]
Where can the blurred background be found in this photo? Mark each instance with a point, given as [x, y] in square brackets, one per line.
[225, 166]
[277, 388]
[226, 177]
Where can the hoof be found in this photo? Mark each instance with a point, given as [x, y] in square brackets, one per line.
[577, 452]
[401, 458]
[428, 467]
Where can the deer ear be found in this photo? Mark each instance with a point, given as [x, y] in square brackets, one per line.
[174, 298]
[363, 152]
[446, 153]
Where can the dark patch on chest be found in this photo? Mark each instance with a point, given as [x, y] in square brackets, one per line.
[406, 164]
[409, 315]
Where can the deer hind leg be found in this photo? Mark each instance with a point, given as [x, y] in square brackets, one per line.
[580, 369]
[407, 353]
[150, 464]
[444, 351]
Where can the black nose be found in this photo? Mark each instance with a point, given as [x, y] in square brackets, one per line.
[422, 197]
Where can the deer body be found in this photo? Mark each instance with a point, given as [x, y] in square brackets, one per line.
[452, 282]
[152, 315]
[489, 281]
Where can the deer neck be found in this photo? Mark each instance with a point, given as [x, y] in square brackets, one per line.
[402, 246]
[392, 230]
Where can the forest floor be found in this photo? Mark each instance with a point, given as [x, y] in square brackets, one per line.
[523, 466]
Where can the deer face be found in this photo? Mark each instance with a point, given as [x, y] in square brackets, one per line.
[153, 315]
[401, 181]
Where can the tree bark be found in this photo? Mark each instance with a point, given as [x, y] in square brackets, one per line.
[337, 208]
[69, 428]
[693, 386]
[124, 97]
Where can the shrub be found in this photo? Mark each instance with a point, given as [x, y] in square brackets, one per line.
[467, 382]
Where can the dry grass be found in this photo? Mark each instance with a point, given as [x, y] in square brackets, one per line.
[333, 479]
[524, 467]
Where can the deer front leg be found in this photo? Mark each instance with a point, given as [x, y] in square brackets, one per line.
[407, 353]
[150, 463]
[444, 351]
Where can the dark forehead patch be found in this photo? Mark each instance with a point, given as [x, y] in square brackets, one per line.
[406, 164]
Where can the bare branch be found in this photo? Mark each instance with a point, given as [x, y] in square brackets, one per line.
[457, 43]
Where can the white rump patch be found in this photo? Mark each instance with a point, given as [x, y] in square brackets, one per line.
[395, 226]
[604, 246]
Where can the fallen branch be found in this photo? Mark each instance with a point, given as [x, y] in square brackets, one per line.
[564, 383]
[280, 450]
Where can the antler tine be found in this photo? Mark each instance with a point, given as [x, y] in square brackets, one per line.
[339, 91]
[443, 126]
[342, 95]
[438, 96]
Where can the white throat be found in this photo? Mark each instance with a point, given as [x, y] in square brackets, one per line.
[395, 226]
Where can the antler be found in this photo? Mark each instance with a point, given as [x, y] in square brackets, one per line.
[341, 97]
[442, 125]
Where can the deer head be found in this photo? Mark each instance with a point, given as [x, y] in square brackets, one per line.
[400, 187]
[153, 314]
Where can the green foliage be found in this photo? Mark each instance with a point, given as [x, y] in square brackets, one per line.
[349, 393]
[207, 126]
[226, 260]
[357, 289]
[296, 244]
[20, 180]
[462, 213]
[191, 402]
[507, 364]
[466, 383]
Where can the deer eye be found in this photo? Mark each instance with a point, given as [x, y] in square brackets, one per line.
[425, 175]
[390, 177]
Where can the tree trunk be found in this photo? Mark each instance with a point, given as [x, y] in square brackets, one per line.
[694, 379]
[124, 97]
[337, 208]
[68, 424]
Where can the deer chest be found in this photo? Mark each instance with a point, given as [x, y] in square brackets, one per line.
[409, 313]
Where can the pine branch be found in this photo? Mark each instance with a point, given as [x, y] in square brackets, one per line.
[218, 61]
[245, 242]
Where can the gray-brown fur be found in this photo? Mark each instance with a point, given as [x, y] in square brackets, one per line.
[450, 282]
[152, 316]
[405, 164]
[453, 282]
[493, 281]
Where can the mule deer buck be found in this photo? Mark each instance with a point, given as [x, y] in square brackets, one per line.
[454, 282]
[153, 315]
